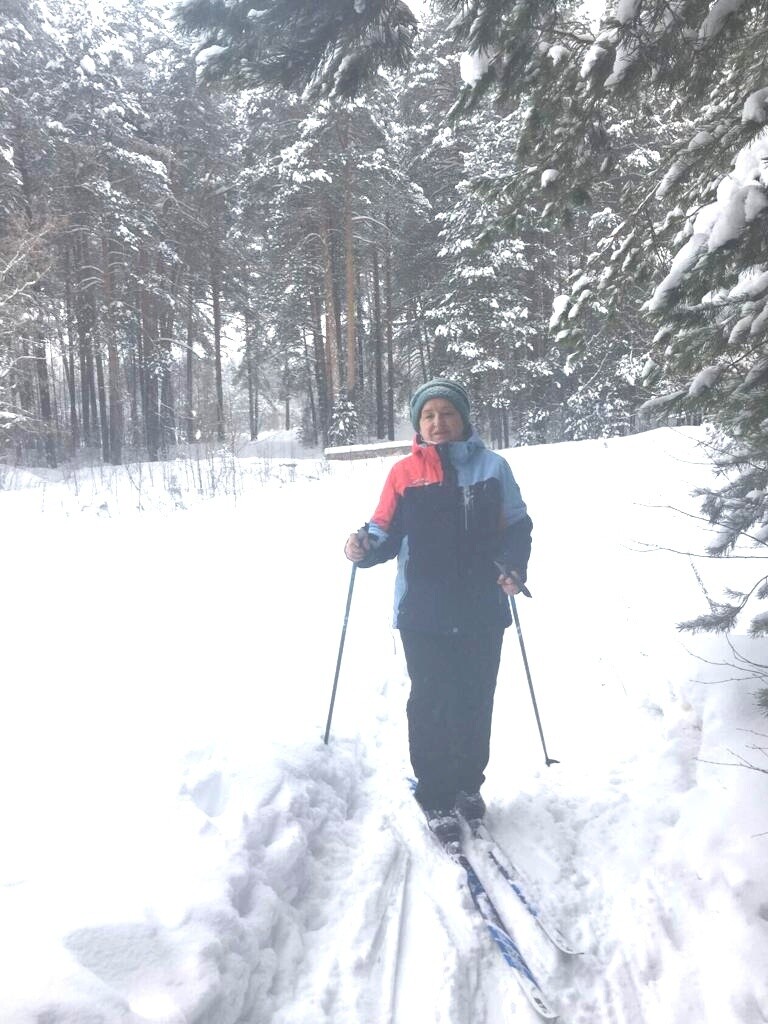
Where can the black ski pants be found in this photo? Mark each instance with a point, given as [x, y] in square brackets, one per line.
[453, 679]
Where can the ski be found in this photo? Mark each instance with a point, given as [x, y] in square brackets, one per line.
[501, 935]
[498, 931]
[519, 885]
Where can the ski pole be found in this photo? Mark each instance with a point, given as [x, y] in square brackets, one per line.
[549, 760]
[341, 650]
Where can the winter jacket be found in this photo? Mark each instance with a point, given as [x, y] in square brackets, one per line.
[448, 512]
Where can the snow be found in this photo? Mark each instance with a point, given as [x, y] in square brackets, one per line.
[741, 197]
[682, 264]
[705, 379]
[759, 370]
[672, 176]
[623, 61]
[756, 107]
[716, 17]
[558, 54]
[592, 57]
[700, 141]
[472, 66]
[627, 10]
[209, 53]
[751, 285]
[549, 176]
[180, 846]
[740, 329]
[559, 306]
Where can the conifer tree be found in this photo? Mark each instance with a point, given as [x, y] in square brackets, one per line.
[332, 48]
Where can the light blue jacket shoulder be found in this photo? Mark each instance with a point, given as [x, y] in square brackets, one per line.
[474, 462]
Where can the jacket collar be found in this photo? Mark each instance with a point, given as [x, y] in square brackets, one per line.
[458, 451]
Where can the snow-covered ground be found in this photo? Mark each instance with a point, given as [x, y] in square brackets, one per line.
[178, 845]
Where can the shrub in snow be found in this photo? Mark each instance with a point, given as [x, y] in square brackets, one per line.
[344, 423]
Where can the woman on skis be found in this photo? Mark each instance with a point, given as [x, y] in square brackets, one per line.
[453, 515]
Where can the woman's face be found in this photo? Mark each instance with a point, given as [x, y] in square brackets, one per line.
[440, 421]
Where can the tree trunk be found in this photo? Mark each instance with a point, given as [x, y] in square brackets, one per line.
[321, 377]
[350, 277]
[252, 369]
[136, 373]
[82, 349]
[377, 347]
[85, 313]
[331, 336]
[23, 388]
[38, 353]
[337, 269]
[69, 357]
[390, 345]
[422, 344]
[102, 393]
[90, 276]
[287, 391]
[149, 365]
[362, 347]
[167, 398]
[44, 394]
[115, 437]
[310, 389]
[189, 365]
[216, 297]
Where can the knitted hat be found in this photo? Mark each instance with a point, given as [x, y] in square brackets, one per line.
[440, 388]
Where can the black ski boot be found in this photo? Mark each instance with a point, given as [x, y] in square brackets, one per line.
[470, 806]
[444, 822]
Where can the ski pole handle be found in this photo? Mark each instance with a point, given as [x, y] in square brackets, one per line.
[513, 575]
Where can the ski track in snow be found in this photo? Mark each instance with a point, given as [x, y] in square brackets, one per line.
[186, 851]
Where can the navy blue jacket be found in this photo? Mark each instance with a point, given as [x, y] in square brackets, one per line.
[449, 512]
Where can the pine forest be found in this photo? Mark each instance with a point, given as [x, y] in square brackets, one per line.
[223, 216]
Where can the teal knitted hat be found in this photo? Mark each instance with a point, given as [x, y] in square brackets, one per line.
[440, 388]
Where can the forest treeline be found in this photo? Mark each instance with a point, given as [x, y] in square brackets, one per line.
[292, 211]
[181, 262]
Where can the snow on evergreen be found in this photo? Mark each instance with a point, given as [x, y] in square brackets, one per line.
[473, 65]
[756, 107]
[741, 198]
[549, 176]
[717, 15]
[706, 378]
[559, 306]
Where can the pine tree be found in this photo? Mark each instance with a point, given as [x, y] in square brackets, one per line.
[326, 190]
[332, 48]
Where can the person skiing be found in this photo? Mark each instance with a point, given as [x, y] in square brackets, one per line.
[452, 513]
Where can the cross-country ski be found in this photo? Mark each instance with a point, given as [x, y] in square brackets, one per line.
[518, 883]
